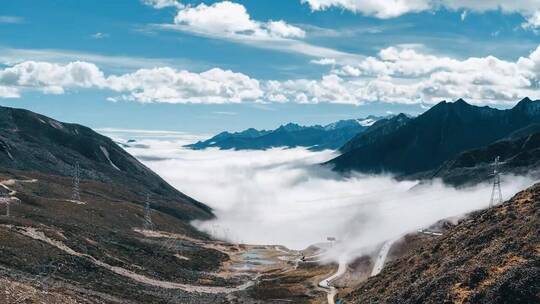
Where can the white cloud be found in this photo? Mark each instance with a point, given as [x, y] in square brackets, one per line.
[229, 18]
[401, 74]
[377, 8]
[51, 78]
[231, 21]
[405, 75]
[9, 92]
[159, 4]
[529, 9]
[165, 85]
[172, 86]
[282, 29]
[100, 35]
[329, 89]
[220, 17]
[532, 22]
[284, 197]
[324, 61]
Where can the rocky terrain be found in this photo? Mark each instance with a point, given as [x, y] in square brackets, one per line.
[491, 256]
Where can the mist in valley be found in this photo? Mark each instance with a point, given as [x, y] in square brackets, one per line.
[284, 197]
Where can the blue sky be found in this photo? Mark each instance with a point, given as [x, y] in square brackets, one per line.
[207, 66]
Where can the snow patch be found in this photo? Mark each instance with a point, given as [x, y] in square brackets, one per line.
[367, 122]
[56, 124]
[106, 153]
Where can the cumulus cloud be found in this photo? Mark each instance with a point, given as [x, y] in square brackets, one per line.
[399, 74]
[9, 92]
[282, 29]
[407, 75]
[50, 77]
[394, 8]
[532, 22]
[281, 196]
[159, 4]
[229, 18]
[171, 86]
[377, 8]
[145, 85]
[231, 21]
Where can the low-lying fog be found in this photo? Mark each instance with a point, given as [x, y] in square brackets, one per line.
[282, 196]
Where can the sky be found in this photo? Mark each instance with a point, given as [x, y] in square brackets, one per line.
[208, 66]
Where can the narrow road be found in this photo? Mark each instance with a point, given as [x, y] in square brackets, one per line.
[38, 235]
[331, 290]
[381, 258]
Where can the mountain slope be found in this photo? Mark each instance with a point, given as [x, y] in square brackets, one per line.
[331, 136]
[519, 154]
[109, 246]
[379, 128]
[493, 256]
[425, 142]
[33, 142]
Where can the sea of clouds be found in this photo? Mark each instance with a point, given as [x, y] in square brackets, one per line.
[283, 196]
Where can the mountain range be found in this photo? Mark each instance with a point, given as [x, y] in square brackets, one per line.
[102, 249]
[406, 146]
[316, 138]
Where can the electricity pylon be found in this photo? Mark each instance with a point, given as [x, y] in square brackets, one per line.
[76, 195]
[6, 201]
[496, 193]
[148, 225]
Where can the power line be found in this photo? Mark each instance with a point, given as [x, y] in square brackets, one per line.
[496, 193]
[6, 200]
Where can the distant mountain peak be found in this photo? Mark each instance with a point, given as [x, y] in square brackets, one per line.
[525, 100]
[461, 102]
[528, 106]
[368, 121]
[290, 127]
[401, 116]
[425, 142]
[315, 137]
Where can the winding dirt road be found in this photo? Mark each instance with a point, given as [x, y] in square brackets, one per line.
[326, 283]
[381, 258]
[40, 236]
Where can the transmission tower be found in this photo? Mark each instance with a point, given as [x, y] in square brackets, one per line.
[148, 225]
[76, 195]
[4, 199]
[496, 193]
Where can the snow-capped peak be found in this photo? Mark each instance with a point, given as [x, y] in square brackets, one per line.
[366, 122]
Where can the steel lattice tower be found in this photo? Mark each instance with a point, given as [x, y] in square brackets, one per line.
[148, 225]
[76, 195]
[496, 193]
